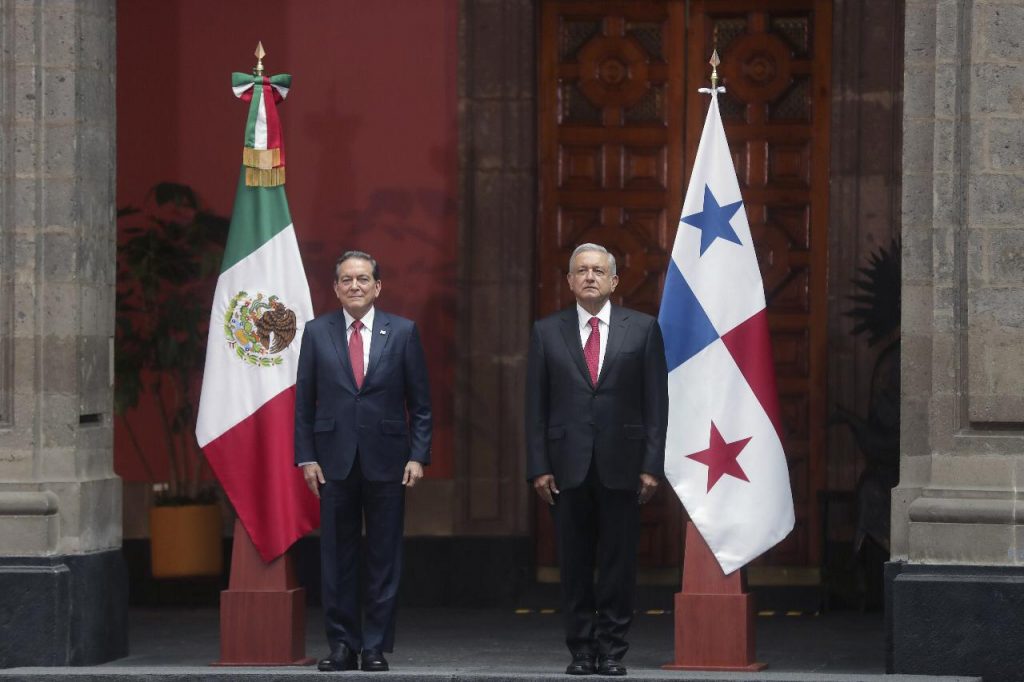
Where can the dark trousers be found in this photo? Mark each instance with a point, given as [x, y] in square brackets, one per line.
[343, 505]
[597, 528]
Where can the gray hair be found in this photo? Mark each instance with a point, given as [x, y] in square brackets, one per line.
[361, 255]
[593, 247]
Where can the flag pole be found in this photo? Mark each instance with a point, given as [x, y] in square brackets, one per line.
[263, 611]
[713, 612]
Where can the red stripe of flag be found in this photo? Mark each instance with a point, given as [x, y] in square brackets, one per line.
[254, 463]
[750, 345]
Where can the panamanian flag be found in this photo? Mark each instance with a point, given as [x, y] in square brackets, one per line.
[723, 453]
[247, 405]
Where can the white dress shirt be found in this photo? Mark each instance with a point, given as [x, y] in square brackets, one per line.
[603, 316]
[366, 332]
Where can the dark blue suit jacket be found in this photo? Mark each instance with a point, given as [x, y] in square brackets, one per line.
[620, 422]
[387, 421]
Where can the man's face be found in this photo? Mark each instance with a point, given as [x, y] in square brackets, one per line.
[355, 286]
[591, 279]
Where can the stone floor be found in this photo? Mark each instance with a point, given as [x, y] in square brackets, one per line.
[449, 644]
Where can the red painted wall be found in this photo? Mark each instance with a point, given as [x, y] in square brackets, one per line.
[370, 132]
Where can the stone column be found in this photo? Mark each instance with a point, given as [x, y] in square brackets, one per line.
[955, 588]
[497, 229]
[63, 587]
[864, 202]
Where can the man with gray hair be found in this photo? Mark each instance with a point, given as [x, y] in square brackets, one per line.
[362, 435]
[596, 415]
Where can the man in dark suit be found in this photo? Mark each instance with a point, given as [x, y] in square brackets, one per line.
[596, 414]
[362, 432]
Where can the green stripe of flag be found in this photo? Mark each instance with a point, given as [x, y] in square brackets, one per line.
[260, 213]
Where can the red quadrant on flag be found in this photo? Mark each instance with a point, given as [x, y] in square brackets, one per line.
[750, 345]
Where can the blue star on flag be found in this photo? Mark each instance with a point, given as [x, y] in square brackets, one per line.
[713, 221]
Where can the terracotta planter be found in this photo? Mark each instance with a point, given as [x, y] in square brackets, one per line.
[185, 541]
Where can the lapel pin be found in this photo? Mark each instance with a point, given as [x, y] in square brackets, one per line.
[382, 332]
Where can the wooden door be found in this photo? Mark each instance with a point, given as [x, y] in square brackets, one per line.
[776, 68]
[611, 160]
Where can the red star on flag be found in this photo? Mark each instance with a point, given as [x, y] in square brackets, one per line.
[720, 458]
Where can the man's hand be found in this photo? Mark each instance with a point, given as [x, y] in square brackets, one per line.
[314, 477]
[648, 486]
[545, 487]
[413, 473]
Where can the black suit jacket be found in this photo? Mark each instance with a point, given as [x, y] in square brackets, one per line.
[620, 422]
[388, 420]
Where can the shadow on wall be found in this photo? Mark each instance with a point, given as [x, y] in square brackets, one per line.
[877, 433]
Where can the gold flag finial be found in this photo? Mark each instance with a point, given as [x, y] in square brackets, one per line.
[260, 54]
[715, 61]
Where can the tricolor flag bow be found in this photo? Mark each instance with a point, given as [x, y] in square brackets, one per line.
[723, 454]
[246, 421]
[263, 156]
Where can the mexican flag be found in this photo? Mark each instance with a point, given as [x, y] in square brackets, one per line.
[246, 410]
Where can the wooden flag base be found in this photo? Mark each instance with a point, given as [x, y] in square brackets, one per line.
[263, 611]
[714, 615]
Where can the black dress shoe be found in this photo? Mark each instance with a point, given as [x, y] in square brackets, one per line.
[340, 658]
[611, 667]
[582, 664]
[374, 661]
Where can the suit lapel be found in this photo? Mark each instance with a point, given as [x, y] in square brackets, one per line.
[379, 337]
[337, 332]
[616, 334]
[571, 335]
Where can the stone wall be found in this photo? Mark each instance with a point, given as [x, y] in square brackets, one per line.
[498, 173]
[963, 284]
[864, 201]
[60, 502]
[957, 581]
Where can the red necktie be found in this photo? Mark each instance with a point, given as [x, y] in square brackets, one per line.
[592, 351]
[355, 352]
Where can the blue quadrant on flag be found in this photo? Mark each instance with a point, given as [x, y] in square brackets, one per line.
[684, 324]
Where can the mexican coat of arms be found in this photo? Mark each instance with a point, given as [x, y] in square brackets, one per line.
[258, 328]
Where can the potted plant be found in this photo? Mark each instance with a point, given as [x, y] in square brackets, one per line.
[168, 255]
[877, 312]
